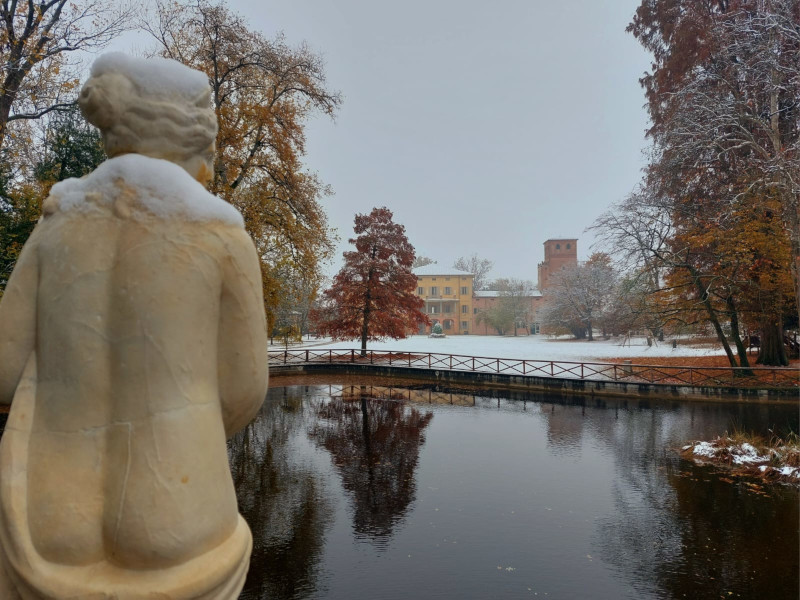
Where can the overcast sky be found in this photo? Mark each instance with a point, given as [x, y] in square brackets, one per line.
[485, 127]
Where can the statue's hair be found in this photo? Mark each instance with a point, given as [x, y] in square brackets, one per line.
[161, 122]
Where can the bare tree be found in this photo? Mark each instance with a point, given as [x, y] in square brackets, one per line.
[500, 317]
[421, 261]
[669, 279]
[637, 232]
[479, 267]
[36, 41]
[515, 296]
[580, 296]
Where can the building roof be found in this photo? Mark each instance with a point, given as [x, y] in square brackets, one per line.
[434, 269]
[496, 294]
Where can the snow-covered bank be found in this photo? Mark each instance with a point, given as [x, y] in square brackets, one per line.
[533, 347]
[779, 462]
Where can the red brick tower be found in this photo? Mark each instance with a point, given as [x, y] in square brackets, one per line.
[558, 253]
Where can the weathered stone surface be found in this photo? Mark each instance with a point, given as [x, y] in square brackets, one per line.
[133, 343]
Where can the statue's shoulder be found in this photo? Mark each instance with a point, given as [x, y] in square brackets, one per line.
[140, 187]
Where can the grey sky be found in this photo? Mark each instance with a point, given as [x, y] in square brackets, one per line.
[485, 127]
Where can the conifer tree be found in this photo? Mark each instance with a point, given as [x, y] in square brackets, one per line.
[373, 296]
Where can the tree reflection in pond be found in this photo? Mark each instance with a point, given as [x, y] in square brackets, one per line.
[283, 502]
[690, 531]
[374, 445]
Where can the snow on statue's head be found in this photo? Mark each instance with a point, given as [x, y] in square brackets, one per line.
[156, 107]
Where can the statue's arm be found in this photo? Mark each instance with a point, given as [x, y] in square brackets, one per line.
[242, 362]
[18, 320]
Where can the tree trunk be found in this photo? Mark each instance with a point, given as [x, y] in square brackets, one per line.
[366, 312]
[737, 338]
[364, 332]
[712, 316]
[5, 110]
[589, 330]
[772, 352]
[10, 88]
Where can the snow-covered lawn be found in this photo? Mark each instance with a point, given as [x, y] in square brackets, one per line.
[533, 347]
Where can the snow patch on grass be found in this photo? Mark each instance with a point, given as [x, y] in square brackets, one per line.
[771, 463]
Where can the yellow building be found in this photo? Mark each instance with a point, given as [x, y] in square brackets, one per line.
[448, 297]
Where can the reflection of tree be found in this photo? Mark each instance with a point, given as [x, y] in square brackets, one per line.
[683, 529]
[418, 394]
[564, 428]
[375, 447]
[733, 539]
[284, 504]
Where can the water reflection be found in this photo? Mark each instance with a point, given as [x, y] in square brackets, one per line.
[374, 445]
[515, 495]
[420, 394]
[284, 502]
[686, 531]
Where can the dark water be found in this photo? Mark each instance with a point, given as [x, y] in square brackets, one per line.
[361, 492]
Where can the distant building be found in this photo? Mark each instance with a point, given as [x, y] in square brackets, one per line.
[558, 253]
[447, 293]
[451, 300]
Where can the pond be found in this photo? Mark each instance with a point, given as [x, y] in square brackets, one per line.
[361, 491]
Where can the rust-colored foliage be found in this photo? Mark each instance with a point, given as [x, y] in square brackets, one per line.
[722, 99]
[373, 296]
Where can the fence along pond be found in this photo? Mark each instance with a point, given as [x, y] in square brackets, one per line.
[739, 377]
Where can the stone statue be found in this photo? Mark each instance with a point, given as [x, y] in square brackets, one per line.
[133, 344]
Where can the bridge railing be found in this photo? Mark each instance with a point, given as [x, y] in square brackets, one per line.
[761, 377]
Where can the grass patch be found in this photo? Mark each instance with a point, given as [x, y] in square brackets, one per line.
[774, 459]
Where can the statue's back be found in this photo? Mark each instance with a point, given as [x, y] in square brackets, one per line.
[134, 364]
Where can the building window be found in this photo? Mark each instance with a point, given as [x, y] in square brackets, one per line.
[447, 279]
[464, 291]
[421, 291]
[464, 325]
[448, 324]
[433, 278]
[474, 311]
[569, 246]
[558, 246]
[434, 291]
[464, 309]
[432, 309]
[448, 291]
